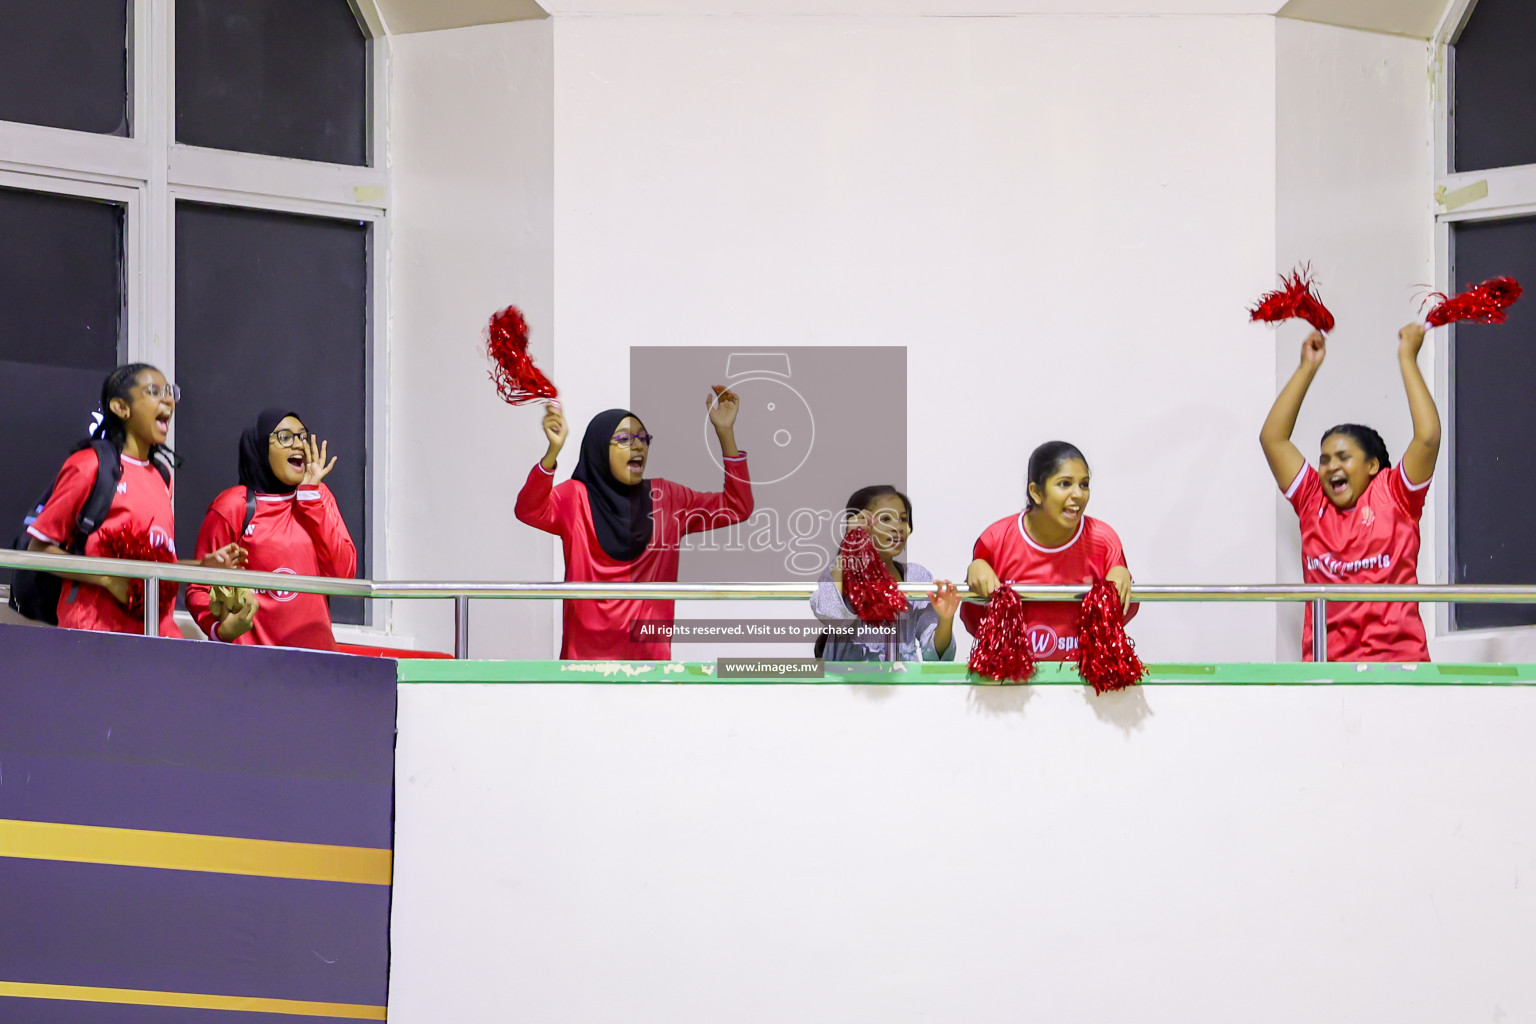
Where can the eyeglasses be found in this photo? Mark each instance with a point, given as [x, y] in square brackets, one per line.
[286, 438]
[155, 391]
[627, 440]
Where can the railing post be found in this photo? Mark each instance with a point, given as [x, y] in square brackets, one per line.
[1320, 629]
[152, 606]
[461, 626]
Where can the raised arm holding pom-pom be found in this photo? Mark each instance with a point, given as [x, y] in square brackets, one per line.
[1424, 450]
[1285, 459]
[555, 432]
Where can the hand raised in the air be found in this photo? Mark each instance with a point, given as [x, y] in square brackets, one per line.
[1314, 349]
[723, 406]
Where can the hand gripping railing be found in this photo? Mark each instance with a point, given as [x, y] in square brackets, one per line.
[1317, 596]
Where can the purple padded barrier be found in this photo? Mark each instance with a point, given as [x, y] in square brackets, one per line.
[179, 736]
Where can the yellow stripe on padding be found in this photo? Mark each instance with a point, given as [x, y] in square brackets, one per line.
[190, 1000]
[182, 851]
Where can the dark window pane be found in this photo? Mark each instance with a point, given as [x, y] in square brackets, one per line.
[65, 65]
[1495, 85]
[279, 77]
[271, 309]
[61, 301]
[1494, 370]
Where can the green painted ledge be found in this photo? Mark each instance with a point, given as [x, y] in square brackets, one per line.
[944, 674]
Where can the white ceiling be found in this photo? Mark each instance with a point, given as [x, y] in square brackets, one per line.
[934, 8]
[402, 16]
[1400, 17]
[1418, 18]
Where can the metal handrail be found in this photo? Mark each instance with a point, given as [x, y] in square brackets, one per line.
[1317, 595]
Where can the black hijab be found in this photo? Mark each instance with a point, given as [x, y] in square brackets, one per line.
[621, 513]
[255, 469]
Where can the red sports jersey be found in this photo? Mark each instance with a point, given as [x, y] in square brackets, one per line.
[143, 503]
[1377, 541]
[1016, 558]
[300, 534]
[599, 630]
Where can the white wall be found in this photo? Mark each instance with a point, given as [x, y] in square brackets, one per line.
[1061, 218]
[1354, 192]
[593, 853]
[471, 148]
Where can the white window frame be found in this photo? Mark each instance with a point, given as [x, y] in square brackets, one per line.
[1511, 192]
[149, 172]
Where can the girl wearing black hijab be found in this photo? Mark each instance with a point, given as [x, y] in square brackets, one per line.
[615, 526]
[294, 527]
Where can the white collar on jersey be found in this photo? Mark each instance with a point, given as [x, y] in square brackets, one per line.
[1049, 551]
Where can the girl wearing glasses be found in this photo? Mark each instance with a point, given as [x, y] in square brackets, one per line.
[1053, 541]
[615, 526]
[296, 528]
[136, 409]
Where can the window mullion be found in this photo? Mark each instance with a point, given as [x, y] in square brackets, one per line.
[276, 178]
[155, 126]
[1511, 191]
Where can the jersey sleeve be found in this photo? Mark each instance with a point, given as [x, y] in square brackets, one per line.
[1113, 554]
[1306, 491]
[537, 503]
[56, 523]
[972, 613]
[316, 511]
[709, 510]
[1408, 497]
[217, 530]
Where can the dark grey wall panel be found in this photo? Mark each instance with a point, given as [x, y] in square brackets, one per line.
[279, 77]
[271, 309]
[1495, 87]
[61, 301]
[65, 64]
[1495, 426]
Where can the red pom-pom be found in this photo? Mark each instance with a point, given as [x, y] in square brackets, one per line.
[122, 542]
[1485, 304]
[867, 583]
[517, 379]
[1106, 657]
[1297, 298]
[1002, 643]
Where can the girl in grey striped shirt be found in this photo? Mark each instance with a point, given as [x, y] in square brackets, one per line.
[927, 631]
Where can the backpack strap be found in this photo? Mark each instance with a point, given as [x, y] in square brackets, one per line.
[250, 512]
[109, 471]
[161, 462]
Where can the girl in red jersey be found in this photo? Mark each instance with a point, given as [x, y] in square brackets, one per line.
[297, 529]
[617, 527]
[1051, 542]
[136, 408]
[1359, 515]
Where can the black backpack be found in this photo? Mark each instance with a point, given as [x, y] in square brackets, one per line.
[35, 594]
